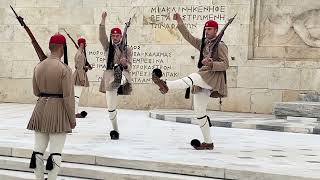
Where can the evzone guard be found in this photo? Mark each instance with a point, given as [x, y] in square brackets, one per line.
[209, 81]
[53, 115]
[80, 76]
[116, 78]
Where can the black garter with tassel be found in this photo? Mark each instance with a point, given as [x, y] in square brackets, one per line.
[49, 165]
[33, 164]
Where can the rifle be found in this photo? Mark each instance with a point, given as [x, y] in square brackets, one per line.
[34, 42]
[124, 42]
[76, 45]
[215, 42]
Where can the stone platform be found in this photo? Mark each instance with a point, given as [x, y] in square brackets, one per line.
[297, 109]
[242, 120]
[160, 150]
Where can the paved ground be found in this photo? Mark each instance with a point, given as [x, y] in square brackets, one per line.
[143, 138]
[243, 120]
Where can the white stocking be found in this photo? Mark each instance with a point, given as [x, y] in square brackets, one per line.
[201, 100]
[112, 98]
[56, 145]
[77, 95]
[41, 143]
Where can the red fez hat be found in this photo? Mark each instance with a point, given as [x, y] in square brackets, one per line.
[211, 23]
[57, 39]
[116, 31]
[81, 40]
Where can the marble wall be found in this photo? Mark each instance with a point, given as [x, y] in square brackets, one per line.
[273, 47]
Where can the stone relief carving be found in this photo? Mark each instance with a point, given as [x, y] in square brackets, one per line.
[281, 27]
[305, 26]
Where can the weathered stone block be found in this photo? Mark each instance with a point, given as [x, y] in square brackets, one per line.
[310, 79]
[290, 95]
[232, 76]
[72, 3]
[252, 77]
[269, 52]
[94, 97]
[89, 32]
[149, 96]
[309, 97]
[17, 90]
[303, 53]
[238, 55]
[214, 104]
[17, 51]
[2, 15]
[129, 101]
[25, 3]
[239, 2]
[264, 63]
[125, 3]
[184, 55]
[167, 36]
[23, 69]
[7, 33]
[5, 69]
[175, 99]
[263, 99]
[94, 3]
[116, 16]
[237, 38]
[298, 109]
[187, 70]
[242, 11]
[238, 100]
[6, 3]
[33, 16]
[70, 16]
[42, 33]
[284, 78]
[302, 64]
[48, 3]
[141, 35]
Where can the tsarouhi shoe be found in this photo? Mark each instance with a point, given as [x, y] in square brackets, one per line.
[78, 115]
[201, 146]
[156, 75]
[205, 146]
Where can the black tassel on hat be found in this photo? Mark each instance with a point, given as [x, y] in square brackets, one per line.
[65, 56]
[187, 94]
[111, 51]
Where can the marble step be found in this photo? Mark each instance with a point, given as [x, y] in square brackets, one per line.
[164, 167]
[297, 109]
[21, 175]
[80, 165]
[96, 172]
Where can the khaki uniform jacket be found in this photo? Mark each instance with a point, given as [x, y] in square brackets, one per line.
[52, 114]
[108, 75]
[213, 76]
[80, 74]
